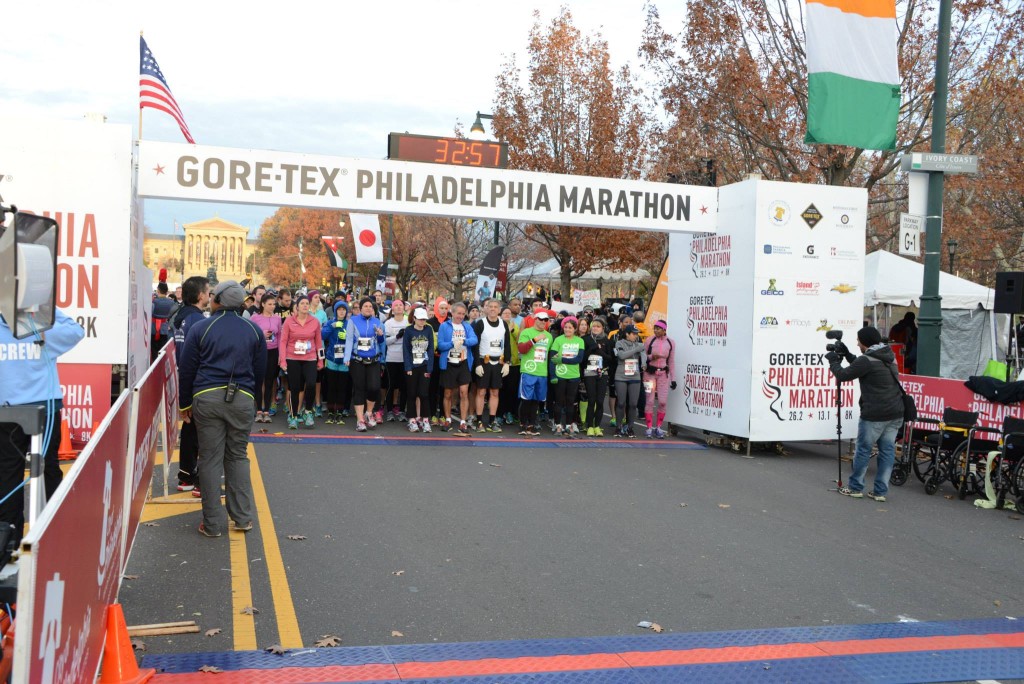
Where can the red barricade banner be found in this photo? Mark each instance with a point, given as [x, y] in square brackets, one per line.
[933, 395]
[72, 563]
[86, 392]
[147, 422]
[169, 364]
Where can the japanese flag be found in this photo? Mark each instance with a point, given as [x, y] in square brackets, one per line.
[366, 237]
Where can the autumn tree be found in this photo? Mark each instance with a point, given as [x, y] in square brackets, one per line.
[573, 115]
[733, 88]
[278, 246]
[453, 250]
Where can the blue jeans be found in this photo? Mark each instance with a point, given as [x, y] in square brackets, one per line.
[870, 433]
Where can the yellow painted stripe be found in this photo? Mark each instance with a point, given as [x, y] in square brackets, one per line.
[884, 9]
[244, 626]
[284, 607]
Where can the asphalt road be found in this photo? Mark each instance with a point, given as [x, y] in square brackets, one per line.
[438, 544]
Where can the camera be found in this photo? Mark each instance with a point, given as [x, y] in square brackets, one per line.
[838, 347]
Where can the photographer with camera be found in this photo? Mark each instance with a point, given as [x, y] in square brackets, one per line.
[881, 406]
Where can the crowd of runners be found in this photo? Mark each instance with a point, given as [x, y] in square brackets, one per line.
[458, 367]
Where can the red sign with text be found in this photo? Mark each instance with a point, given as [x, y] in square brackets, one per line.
[933, 395]
[86, 390]
[76, 563]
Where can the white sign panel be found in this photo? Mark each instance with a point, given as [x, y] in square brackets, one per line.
[79, 173]
[786, 266]
[910, 234]
[222, 174]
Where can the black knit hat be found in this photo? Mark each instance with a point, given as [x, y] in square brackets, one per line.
[869, 336]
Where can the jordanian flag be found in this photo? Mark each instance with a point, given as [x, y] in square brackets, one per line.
[853, 80]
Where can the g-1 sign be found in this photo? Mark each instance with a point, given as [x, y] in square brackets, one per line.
[911, 227]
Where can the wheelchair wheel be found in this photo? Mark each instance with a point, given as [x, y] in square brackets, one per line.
[1020, 504]
[900, 475]
[931, 486]
[960, 472]
[923, 460]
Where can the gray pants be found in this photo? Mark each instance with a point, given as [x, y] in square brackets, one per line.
[223, 439]
[627, 395]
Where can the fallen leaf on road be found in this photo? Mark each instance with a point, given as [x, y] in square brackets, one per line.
[655, 627]
[682, 505]
[151, 524]
[398, 573]
[138, 644]
[724, 505]
[211, 668]
[249, 610]
[396, 633]
[948, 496]
[495, 465]
[327, 536]
[276, 649]
[213, 632]
[997, 603]
[328, 640]
[129, 577]
[296, 537]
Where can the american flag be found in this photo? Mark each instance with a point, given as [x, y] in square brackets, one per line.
[154, 91]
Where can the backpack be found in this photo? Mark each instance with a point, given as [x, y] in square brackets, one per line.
[162, 329]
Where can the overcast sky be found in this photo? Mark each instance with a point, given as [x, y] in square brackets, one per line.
[317, 77]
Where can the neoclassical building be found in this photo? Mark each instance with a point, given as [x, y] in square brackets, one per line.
[211, 242]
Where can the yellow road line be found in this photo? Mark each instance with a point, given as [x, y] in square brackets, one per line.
[284, 607]
[244, 626]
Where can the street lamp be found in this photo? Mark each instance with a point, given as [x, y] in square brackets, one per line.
[951, 245]
[477, 132]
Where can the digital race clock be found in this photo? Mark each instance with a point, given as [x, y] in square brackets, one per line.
[438, 150]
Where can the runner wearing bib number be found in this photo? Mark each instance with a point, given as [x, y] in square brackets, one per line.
[566, 355]
[418, 363]
[492, 364]
[534, 343]
[338, 335]
[600, 355]
[659, 378]
[455, 340]
[301, 357]
[508, 399]
[629, 351]
[365, 364]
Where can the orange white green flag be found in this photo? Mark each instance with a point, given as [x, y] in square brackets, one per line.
[853, 80]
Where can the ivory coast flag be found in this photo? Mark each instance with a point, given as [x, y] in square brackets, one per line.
[853, 80]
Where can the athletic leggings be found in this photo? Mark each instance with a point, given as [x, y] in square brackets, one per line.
[565, 400]
[528, 412]
[265, 394]
[337, 389]
[435, 393]
[302, 378]
[396, 383]
[508, 395]
[365, 382]
[659, 398]
[596, 386]
[417, 386]
[626, 394]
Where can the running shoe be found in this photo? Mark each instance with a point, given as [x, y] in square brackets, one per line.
[293, 423]
[330, 418]
[391, 416]
[402, 417]
[463, 427]
[196, 493]
[273, 410]
[345, 413]
[185, 486]
[880, 498]
[206, 533]
[308, 418]
[371, 421]
[424, 425]
[533, 432]
[509, 418]
[525, 430]
[598, 432]
[611, 423]
[360, 426]
[630, 434]
[590, 432]
[495, 427]
[318, 411]
[846, 491]
[659, 433]
[379, 417]
[558, 430]
[413, 427]
[480, 427]
[575, 430]
[247, 527]
[650, 433]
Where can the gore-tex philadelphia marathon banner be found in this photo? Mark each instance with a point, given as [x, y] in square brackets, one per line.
[223, 174]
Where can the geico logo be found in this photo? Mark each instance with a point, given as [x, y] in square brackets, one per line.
[771, 293]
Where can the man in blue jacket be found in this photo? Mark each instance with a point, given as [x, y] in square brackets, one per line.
[222, 364]
[455, 339]
[28, 375]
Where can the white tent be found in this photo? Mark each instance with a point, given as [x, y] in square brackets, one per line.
[891, 279]
[971, 334]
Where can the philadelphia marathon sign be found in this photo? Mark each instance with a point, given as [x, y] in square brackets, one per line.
[221, 174]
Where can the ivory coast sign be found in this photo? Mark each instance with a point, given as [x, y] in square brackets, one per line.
[222, 174]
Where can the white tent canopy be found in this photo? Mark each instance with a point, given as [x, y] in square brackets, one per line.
[550, 269]
[891, 279]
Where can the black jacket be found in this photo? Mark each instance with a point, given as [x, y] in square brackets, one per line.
[604, 348]
[224, 347]
[880, 395]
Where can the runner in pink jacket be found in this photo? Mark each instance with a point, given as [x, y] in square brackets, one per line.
[659, 377]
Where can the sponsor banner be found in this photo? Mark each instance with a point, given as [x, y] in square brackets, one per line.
[711, 255]
[934, 395]
[798, 396]
[147, 421]
[50, 168]
[703, 390]
[71, 563]
[86, 392]
[707, 321]
[222, 174]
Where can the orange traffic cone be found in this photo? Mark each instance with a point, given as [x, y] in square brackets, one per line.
[119, 666]
[66, 451]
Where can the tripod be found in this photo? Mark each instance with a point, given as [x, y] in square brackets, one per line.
[839, 436]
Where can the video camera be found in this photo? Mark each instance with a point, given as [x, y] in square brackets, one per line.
[838, 347]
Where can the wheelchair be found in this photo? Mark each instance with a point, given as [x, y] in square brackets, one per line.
[927, 447]
[969, 462]
[1008, 466]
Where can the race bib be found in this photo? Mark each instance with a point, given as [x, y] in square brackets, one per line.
[495, 351]
[540, 354]
[569, 351]
[339, 351]
[630, 366]
[454, 356]
[594, 363]
[364, 344]
[302, 346]
[418, 357]
[649, 386]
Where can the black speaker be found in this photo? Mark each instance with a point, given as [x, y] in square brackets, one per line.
[1010, 292]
